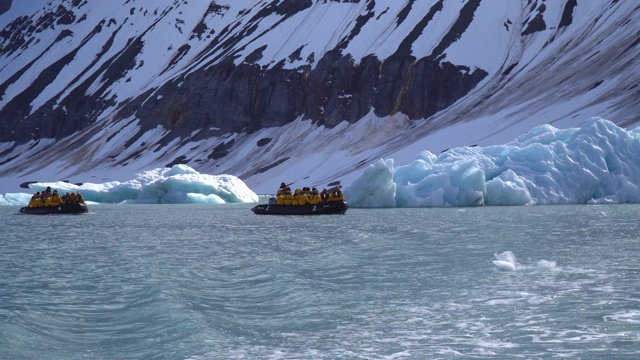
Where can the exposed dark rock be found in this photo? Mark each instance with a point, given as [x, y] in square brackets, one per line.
[25, 185]
[537, 24]
[178, 161]
[270, 166]
[221, 150]
[182, 51]
[404, 49]
[567, 13]
[459, 27]
[256, 55]
[360, 22]
[263, 141]
[402, 15]
[596, 84]
[247, 97]
[5, 5]
[509, 69]
[64, 16]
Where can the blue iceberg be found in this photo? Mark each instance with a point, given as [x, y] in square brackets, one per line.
[594, 164]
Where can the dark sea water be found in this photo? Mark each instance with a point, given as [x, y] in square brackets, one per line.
[218, 282]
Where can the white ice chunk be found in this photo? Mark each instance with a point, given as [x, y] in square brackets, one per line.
[506, 261]
[15, 199]
[176, 185]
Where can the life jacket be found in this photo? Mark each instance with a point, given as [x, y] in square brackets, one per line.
[335, 196]
[288, 198]
[55, 200]
[39, 202]
[294, 198]
[315, 199]
[303, 199]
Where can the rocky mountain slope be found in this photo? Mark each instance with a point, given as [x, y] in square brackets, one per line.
[307, 90]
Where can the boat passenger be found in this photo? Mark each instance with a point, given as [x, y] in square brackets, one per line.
[315, 198]
[34, 199]
[38, 201]
[302, 198]
[324, 195]
[288, 197]
[294, 200]
[281, 189]
[79, 198]
[336, 195]
[54, 199]
[280, 194]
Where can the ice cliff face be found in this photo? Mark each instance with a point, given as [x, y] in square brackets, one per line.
[132, 84]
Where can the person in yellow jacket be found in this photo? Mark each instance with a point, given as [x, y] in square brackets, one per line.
[315, 198]
[36, 200]
[296, 194]
[335, 195]
[302, 198]
[280, 194]
[288, 197]
[54, 199]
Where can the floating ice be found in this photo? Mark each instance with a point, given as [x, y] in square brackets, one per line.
[593, 164]
[15, 199]
[546, 264]
[506, 261]
[179, 184]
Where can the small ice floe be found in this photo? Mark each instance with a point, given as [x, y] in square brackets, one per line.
[505, 261]
[546, 264]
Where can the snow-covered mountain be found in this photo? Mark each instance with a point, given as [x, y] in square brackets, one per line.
[301, 91]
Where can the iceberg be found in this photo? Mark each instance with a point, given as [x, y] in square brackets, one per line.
[15, 199]
[595, 163]
[179, 184]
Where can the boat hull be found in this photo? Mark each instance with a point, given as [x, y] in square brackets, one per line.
[76, 208]
[334, 207]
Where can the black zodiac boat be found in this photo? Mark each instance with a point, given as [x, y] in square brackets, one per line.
[333, 207]
[72, 208]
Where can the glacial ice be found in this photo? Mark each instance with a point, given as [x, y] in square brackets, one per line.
[595, 163]
[179, 184]
[506, 261]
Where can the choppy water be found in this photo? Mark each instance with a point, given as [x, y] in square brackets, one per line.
[217, 282]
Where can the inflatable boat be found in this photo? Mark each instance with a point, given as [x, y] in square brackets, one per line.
[333, 207]
[72, 208]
